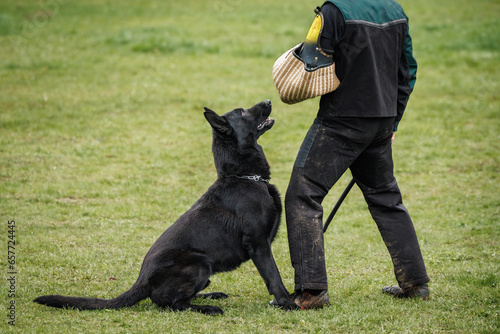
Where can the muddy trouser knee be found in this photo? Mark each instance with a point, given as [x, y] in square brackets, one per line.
[305, 234]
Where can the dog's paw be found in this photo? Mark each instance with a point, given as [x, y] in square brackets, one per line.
[211, 310]
[212, 295]
[289, 306]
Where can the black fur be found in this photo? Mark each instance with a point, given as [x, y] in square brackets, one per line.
[234, 221]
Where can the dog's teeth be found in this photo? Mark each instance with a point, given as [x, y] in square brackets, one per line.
[264, 123]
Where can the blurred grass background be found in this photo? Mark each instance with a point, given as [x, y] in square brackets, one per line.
[103, 145]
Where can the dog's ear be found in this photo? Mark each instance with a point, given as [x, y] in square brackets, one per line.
[217, 122]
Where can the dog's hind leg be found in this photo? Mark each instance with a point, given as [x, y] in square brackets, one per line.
[212, 295]
[205, 309]
[176, 294]
[176, 285]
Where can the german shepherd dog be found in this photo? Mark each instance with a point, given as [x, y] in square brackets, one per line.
[234, 221]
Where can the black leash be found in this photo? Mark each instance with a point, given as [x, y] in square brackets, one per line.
[337, 206]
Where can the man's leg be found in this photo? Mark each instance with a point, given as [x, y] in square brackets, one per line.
[325, 154]
[373, 172]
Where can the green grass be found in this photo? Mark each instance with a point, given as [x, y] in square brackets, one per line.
[103, 145]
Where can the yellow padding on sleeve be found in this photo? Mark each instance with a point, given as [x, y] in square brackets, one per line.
[314, 31]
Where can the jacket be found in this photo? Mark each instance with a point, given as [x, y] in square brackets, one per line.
[373, 55]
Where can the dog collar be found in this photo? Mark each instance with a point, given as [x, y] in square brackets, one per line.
[252, 177]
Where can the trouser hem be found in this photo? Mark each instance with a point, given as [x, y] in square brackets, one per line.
[415, 282]
[311, 286]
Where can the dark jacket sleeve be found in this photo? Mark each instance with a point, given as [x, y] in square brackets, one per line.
[406, 77]
[333, 27]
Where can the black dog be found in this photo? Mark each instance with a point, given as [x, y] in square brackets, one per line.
[234, 221]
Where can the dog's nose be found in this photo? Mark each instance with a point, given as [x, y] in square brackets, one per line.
[267, 108]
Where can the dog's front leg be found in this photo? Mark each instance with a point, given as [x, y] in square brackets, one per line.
[261, 254]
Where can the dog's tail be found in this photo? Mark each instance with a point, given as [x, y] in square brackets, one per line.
[137, 293]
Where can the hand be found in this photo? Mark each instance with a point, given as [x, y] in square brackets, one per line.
[393, 135]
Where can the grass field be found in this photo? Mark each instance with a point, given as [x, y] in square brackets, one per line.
[103, 145]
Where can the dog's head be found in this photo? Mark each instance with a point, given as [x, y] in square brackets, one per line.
[245, 126]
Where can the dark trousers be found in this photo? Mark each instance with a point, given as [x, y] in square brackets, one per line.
[331, 147]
